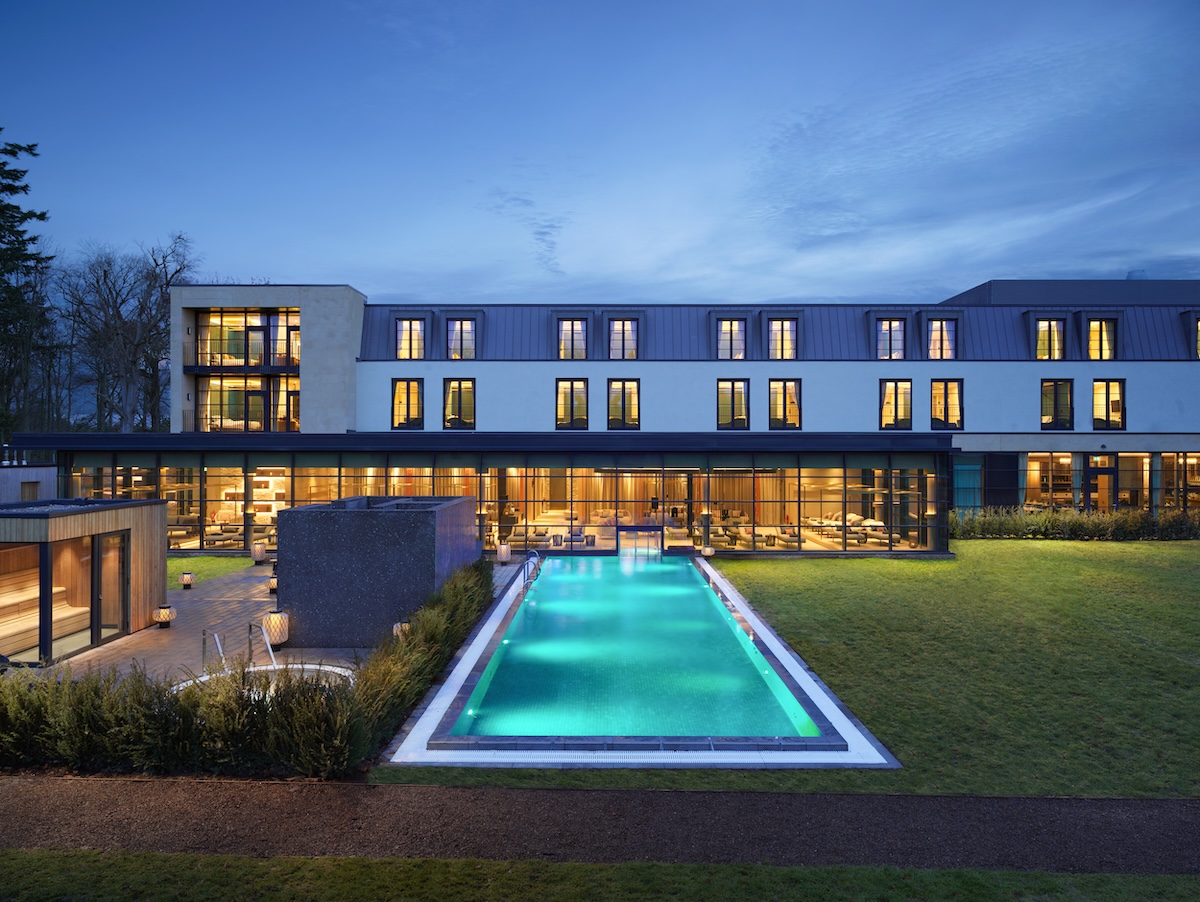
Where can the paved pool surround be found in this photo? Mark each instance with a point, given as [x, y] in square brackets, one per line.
[350, 569]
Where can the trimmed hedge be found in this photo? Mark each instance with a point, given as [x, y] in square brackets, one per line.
[238, 722]
[1115, 526]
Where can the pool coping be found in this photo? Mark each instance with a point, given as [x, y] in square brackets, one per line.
[425, 741]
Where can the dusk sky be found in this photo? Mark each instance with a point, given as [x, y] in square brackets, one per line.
[614, 152]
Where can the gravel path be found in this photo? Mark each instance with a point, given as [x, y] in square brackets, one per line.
[313, 819]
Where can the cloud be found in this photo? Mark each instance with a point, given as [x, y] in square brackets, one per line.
[544, 228]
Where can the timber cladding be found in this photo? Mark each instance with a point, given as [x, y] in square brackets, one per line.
[144, 521]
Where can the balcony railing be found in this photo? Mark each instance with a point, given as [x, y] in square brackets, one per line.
[212, 422]
[239, 354]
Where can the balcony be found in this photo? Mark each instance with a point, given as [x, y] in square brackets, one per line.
[213, 422]
[239, 355]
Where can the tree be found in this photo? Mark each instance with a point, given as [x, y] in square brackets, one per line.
[24, 306]
[119, 309]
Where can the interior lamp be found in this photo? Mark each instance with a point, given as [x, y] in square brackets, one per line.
[276, 625]
[186, 579]
[163, 615]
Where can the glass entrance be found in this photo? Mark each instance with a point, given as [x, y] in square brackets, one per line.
[1100, 480]
[111, 610]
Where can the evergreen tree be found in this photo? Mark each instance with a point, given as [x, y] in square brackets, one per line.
[24, 308]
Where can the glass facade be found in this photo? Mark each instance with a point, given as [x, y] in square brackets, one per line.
[575, 502]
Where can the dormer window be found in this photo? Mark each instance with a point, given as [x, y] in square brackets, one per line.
[943, 339]
[889, 339]
[1102, 339]
[622, 339]
[410, 339]
[731, 339]
[1051, 336]
[781, 341]
[460, 339]
[572, 339]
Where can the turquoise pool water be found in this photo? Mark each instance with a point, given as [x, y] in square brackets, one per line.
[628, 646]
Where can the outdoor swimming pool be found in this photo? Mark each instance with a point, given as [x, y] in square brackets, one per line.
[633, 660]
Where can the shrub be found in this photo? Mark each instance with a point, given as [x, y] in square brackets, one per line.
[1117, 525]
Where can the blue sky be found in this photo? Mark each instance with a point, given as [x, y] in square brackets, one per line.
[620, 151]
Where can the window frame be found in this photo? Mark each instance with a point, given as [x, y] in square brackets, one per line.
[466, 426]
[572, 345]
[624, 396]
[896, 422]
[774, 422]
[401, 322]
[460, 353]
[412, 423]
[731, 338]
[946, 345]
[1057, 387]
[887, 345]
[735, 387]
[571, 423]
[628, 338]
[945, 424]
[1050, 346]
[779, 345]
[1106, 423]
[1102, 336]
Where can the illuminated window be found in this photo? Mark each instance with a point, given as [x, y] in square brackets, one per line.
[571, 406]
[410, 339]
[460, 339]
[622, 339]
[1050, 333]
[733, 404]
[731, 339]
[1102, 339]
[623, 408]
[459, 411]
[1108, 404]
[946, 409]
[572, 339]
[1057, 412]
[889, 339]
[784, 404]
[408, 404]
[943, 343]
[782, 339]
[895, 404]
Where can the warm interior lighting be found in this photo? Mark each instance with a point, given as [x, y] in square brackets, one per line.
[186, 579]
[1065, 460]
[276, 625]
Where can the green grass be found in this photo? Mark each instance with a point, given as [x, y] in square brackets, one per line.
[35, 875]
[1022, 668]
[203, 567]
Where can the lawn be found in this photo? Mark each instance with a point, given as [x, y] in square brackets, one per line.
[203, 567]
[30, 875]
[1035, 668]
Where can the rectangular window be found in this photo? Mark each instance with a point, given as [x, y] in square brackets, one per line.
[623, 408]
[946, 409]
[460, 404]
[622, 339]
[782, 339]
[1050, 335]
[1102, 339]
[943, 343]
[572, 339]
[889, 339]
[408, 404]
[410, 339]
[731, 339]
[1108, 404]
[1057, 412]
[895, 404]
[784, 406]
[460, 339]
[733, 410]
[571, 406]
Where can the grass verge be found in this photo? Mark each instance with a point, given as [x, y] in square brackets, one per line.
[204, 567]
[1022, 668]
[30, 875]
